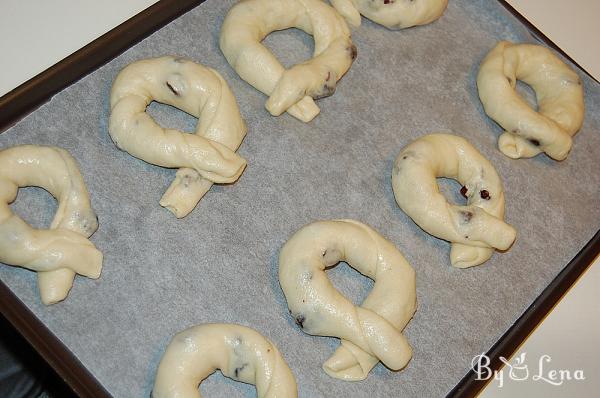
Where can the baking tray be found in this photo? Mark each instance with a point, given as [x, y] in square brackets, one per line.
[312, 160]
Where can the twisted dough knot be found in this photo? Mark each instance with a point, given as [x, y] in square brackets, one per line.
[475, 229]
[203, 158]
[371, 332]
[240, 353]
[393, 14]
[63, 250]
[559, 95]
[248, 22]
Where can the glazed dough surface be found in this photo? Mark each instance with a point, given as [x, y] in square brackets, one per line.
[475, 229]
[248, 22]
[240, 353]
[559, 93]
[393, 14]
[203, 158]
[371, 332]
[63, 250]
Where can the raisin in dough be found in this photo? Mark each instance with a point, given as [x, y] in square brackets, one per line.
[248, 22]
[60, 252]
[559, 93]
[393, 14]
[203, 158]
[474, 230]
[371, 332]
[239, 352]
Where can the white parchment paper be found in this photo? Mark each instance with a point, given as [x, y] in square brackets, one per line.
[219, 264]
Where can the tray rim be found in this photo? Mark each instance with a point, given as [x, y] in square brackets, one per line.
[27, 97]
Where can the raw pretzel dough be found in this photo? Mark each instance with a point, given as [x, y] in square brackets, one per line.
[239, 352]
[559, 94]
[292, 90]
[371, 332]
[393, 14]
[63, 250]
[475, 229]
[203, 158]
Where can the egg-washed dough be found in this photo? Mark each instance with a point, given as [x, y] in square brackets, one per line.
[474, 230]
[371, 332]
[559, 93]
[393, 14]
[241, 353]
[203, 158]
[248, 22]
[64, 249]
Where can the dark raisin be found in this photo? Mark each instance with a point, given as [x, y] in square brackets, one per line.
[300, 321]
[466, 216]
[534, 141]
[463, 191]
[353, 51]
[327, 90]
[484, 194]
[172, 89]
[239, 369]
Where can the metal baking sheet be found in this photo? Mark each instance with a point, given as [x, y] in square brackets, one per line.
[219, 264]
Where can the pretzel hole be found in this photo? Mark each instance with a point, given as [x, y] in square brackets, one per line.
[35, 206]
[170, 117]
[451, 190]
[290, 46]
[343, 278]
[528, 94]
[217, 385]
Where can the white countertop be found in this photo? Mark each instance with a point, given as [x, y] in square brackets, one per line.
[569, 335]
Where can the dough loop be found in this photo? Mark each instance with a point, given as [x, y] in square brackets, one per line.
[393, 14]
[241, 354]
[293, 90]
[559, 93]
[63, 250]
[203, 158]
[475, 229]
[371, 332]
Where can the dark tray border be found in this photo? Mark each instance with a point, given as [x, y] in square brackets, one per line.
[54, 352]
[33, 93]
